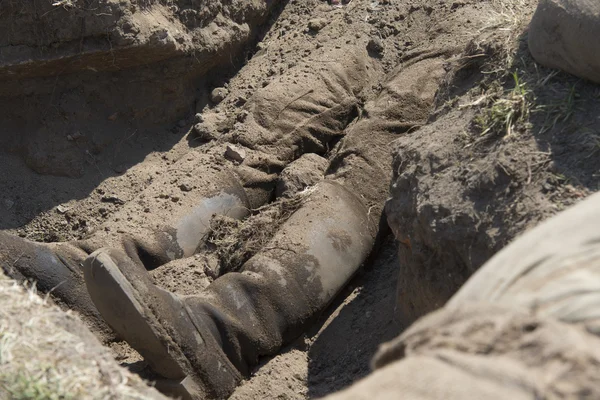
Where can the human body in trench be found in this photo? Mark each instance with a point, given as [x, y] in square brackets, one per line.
[204, 344]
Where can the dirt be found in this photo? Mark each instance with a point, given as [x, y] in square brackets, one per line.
[52, 354]
[467, 183]
[86, 130]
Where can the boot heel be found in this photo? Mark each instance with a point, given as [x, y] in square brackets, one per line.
[185, 389]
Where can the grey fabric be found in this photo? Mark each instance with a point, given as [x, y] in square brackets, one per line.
[552, 270]
[284, 287]
[525, 326]
[564, 34]
[215, 336]
[281, 290]
[484, 352]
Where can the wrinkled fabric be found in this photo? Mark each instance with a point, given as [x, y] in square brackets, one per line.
[525, 326]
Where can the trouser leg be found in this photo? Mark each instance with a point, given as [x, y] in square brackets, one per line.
[135, 229]
[241, 316]
[281, 289]
[552, 270]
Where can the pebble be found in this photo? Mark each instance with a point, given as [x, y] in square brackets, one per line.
[375, 45]
[112, 199]
[218, 95]
[235, 153]
[185, 187]
[317, 24]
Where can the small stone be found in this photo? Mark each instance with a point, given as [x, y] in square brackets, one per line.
[74, 136]
[317, 24]
[111, 198]
[174, 199]
[218, 95]
[198, 118]
[185, 187]
[235, 153]
[62, 209]
[375, 46]
[241, 117]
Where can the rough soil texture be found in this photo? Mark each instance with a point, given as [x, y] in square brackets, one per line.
[104, 104]
[50, 354]
[467, 183]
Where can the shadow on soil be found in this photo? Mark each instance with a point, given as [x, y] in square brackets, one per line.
[62, 136]
[361, 319]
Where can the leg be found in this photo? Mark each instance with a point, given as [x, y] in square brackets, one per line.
[214, 338]
[280, 290]
[286, 119]
[56, 267]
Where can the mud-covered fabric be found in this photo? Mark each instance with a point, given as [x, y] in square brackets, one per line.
[297, 274]
[307, 109]
[484, 352]
[525, 326]
[561, 35]
[552, 271]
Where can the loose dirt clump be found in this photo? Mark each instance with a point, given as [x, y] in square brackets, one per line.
[97, 107]
[234, 241]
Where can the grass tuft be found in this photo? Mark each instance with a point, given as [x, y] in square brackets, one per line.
[507, 113]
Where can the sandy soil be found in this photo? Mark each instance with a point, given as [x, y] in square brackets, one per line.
[86, 146]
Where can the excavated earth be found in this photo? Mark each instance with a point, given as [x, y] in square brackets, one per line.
[99, 97]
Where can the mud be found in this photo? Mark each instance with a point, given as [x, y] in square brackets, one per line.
[97, 112]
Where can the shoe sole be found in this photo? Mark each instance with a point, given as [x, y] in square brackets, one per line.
[133, 320]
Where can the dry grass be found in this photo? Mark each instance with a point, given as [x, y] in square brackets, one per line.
[65, 3]
[511, 76]
[235, 241]
[41, 359]
[508, 17]
[508, 112]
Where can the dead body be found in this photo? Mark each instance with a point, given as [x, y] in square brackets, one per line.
[203, 345]
[216, 336]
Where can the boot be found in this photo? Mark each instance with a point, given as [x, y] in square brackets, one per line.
[203, 345]
[56, 268]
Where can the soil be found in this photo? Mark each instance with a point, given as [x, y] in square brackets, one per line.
[81, 137]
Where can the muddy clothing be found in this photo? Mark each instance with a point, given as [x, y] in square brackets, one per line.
[278, 292]
[525, 326]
